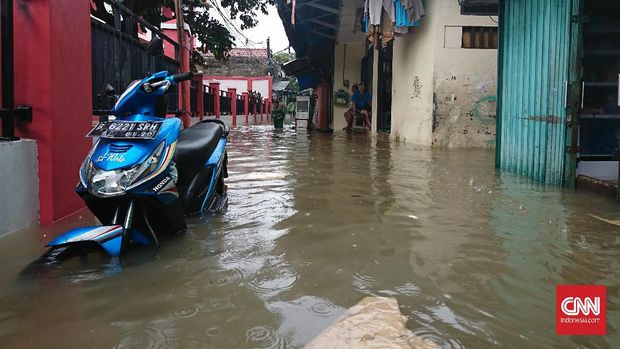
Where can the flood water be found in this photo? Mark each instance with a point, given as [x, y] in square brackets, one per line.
[315, 223]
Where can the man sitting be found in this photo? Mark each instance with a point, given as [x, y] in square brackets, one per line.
[360, 103]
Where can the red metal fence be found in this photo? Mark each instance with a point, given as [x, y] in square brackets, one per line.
[217, 103]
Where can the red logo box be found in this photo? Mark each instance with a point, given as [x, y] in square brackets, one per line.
[580, 310]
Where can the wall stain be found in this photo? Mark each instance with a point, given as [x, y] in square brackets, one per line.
[482, 112]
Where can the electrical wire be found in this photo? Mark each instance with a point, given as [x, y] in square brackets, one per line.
[232, 27]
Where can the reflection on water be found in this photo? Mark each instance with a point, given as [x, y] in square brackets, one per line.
[316, 222]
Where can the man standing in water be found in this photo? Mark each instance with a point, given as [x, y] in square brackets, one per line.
[360, 103]
[278, 115]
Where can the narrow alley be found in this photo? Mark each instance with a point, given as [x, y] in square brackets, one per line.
[315, 223]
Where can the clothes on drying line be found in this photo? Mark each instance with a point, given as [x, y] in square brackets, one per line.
[381, 34]
[384, 19]
[414, 8]
[373, 9]
[402, 17]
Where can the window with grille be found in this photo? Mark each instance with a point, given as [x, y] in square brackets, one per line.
[479, 37]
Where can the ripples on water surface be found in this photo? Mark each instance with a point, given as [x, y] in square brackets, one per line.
[315, 223]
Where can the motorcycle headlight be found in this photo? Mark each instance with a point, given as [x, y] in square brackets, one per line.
[111, 183]
[103, 183]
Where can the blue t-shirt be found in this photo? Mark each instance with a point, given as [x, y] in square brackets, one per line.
[361, 100]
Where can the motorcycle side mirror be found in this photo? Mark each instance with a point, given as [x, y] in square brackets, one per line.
[156, 46]
[109, 90]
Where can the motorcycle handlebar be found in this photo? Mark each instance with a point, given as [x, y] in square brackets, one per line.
[183, 77]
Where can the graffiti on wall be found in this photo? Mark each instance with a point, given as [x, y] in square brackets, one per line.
[416, 88]
[485, 109]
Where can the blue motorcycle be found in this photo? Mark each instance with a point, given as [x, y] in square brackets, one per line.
[144, 174]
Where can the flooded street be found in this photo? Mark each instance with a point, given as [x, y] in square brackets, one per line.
[315, 223]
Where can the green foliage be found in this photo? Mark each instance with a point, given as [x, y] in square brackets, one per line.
[293, 86]
[282, 58]
[212, 35]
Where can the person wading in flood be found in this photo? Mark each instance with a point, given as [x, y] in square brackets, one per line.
[278, 115]
[360, 103]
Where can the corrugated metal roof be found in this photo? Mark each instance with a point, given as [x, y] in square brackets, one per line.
[280, 85]
[312, 32]
[534, 55]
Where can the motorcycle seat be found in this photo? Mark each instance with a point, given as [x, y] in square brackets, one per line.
[195, 146]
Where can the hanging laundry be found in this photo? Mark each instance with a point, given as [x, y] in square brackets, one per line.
[401, 31]
[415, 9]
[402, 17]
[388, 6]
[375, 8]
[374, 11]
[383, 33]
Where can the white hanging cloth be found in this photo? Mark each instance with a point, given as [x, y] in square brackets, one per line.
[373, 9]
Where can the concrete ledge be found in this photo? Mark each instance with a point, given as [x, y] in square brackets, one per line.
[19, 185]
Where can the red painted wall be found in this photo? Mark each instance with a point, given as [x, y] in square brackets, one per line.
[53, 75]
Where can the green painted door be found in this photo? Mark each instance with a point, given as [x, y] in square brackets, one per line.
[536, 79]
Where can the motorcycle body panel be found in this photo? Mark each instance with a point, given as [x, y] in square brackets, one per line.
[109, 238]
[151, 204]
[114, 154]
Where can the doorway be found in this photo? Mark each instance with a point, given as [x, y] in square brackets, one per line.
[384, 93]
[598, 134]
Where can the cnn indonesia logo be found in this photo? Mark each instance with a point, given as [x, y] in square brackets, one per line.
[580, 310]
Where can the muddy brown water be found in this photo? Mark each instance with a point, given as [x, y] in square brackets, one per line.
[315, 223]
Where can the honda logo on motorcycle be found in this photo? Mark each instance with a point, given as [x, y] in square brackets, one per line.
[161, 184]
[580, 310]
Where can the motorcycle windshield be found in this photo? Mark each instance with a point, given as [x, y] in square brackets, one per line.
[115, 154]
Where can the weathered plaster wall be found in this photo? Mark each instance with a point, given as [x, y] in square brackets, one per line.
[412, 80]
[19, 187]
[352, 69]
[237, 66]
[465, 84]
[441, 96]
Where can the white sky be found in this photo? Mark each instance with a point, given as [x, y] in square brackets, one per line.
[268, 26]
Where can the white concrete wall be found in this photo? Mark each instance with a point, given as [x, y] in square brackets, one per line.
[19, 185]
[413, 80]
[465, 84]
[240, 85]
[453, 88]
[352, 70]
[262, 87]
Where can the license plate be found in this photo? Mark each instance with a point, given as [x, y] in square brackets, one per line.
[126, 129]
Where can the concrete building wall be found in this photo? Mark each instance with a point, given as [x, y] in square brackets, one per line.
[443, 95]
[19, 187]
[413, 79]
[348, 68]
[240, 85]
[465, 83]
[238, 66]
[262, 85]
